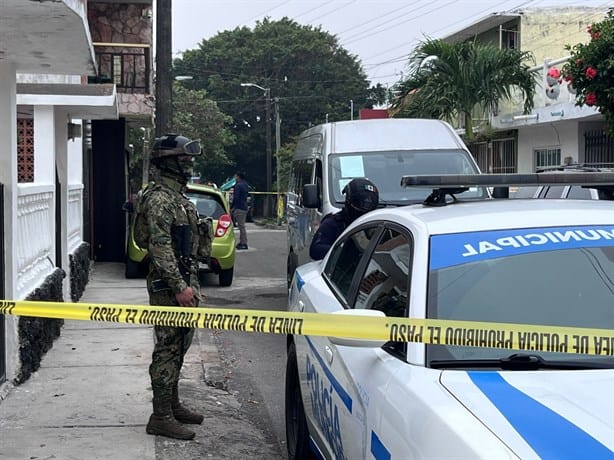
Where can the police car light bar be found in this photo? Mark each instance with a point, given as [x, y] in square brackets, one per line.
[595, 179]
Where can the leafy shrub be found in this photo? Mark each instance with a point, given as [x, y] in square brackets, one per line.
[590, 69]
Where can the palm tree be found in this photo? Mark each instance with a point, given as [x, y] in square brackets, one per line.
[451, 79]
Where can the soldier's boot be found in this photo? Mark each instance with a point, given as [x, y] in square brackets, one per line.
[183, 414]
[162, 423]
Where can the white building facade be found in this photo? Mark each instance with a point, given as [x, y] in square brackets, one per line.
[45, 54]
[556, 130]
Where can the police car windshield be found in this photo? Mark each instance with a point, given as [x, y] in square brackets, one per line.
[385, 169]
[542, 276]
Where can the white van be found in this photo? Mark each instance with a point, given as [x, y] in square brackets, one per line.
[328, 156]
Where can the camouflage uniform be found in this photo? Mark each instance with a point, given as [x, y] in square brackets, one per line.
[166, 223]
[166, 209]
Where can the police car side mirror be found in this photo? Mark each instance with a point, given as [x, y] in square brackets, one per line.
[358, 343]
[311, 198]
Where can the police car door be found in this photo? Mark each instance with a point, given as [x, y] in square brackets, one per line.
[334, 400]
[383, 286]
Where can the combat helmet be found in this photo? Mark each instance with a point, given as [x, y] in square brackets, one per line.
[173, 154]
[361, 196]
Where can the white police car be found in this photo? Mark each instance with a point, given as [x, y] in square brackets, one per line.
[535, 262]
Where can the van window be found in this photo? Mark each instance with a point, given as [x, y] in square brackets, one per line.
[386, 168]
[310, 145]
[299, 176]
[318, 182]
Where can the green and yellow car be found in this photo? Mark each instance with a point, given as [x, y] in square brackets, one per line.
[210, 202]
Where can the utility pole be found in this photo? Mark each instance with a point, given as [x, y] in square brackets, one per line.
[269, 153]
[164, 81]
[277, 162]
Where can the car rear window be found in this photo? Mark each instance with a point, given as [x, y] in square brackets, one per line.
[207, 205]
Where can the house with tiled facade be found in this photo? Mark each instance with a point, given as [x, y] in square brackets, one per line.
[556, 128]
[67, 86]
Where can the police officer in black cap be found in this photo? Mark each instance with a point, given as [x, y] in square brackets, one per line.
[361, 196]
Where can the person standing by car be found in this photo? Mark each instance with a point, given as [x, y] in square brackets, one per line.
[238, 207]
[166, 224]
[361, 196]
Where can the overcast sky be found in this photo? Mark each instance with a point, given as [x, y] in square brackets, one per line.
[380, 32]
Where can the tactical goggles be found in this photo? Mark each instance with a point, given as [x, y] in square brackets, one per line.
[192, 148]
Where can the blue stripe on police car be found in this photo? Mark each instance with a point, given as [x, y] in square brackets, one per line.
[461, 248]
[549, 434]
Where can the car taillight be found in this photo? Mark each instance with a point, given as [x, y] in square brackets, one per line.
[223, 224]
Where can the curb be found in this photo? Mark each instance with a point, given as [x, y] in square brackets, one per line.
[213, 371]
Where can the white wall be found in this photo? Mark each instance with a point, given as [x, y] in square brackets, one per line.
[8, 177]
[562, 134]
[44, 145]
[75, 158]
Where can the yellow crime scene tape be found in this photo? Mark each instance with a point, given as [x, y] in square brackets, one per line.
[267, 193]
[429, 331]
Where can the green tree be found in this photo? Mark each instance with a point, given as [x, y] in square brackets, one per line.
[590, 69]
[448, 80]
[198, 117]
[194, 116]
[305, 67]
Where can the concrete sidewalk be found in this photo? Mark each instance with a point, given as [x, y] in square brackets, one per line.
[91, 397]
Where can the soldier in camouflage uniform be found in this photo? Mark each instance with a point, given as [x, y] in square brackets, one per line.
[166, 224]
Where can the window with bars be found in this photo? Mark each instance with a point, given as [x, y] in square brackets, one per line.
[548, 156]
[496, 156]
[25, 150]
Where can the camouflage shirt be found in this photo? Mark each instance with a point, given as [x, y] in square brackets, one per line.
[166, 208]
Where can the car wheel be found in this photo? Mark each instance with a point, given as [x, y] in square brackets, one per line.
[297, 434]
[133, 269]
[226, 277]
[290, 268]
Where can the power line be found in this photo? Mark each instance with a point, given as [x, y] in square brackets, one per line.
[378, 17]
[267, 11]
[332, 11]
[360, 36]
[596, 12]
[404, 56]
[321, 5]
[464, 19]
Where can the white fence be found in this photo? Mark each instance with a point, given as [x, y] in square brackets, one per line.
[75, 217]
[34, 236]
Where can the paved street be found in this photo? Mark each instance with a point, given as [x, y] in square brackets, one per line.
[91, 397]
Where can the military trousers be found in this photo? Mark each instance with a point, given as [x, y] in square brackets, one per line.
[172, 343]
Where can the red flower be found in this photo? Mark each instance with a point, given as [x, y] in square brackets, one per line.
[554, 73]
[595, 35]
[589, 29]
[590, 99]
[590, 73]
[568, 78]
[578, 62]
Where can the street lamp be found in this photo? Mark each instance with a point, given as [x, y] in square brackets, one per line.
[269, 181]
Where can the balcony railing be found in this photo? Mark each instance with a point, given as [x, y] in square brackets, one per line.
[125, 64]
[34, 236]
